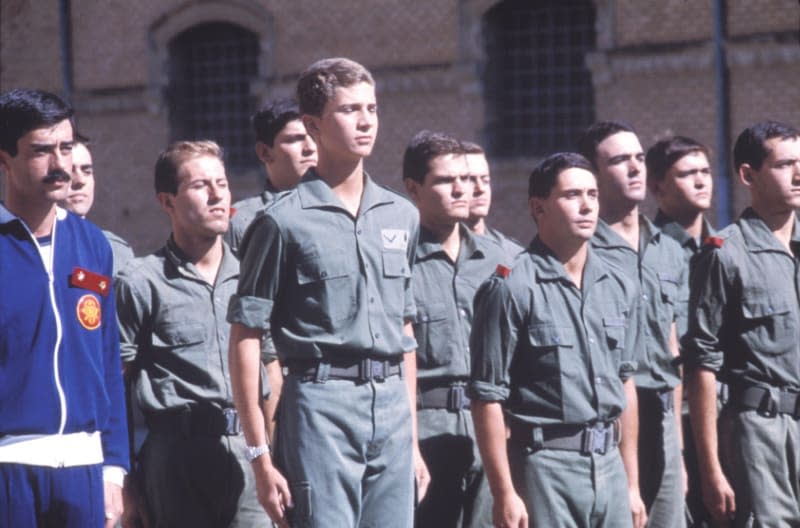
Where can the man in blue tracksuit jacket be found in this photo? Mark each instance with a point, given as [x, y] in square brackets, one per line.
[63, 440]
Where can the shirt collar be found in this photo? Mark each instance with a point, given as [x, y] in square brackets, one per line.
[758, 236]
[673, 229]
[549, 267]
[314, 192]
[228, 268]
[429, 245]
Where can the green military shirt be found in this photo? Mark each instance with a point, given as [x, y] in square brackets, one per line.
[554, 353]
[120, 249]
[443, 292]
[509, 245]
[745, 298]
[326, 283]
[244, 212]
[662, 276]
[173, 330]
[690, 247]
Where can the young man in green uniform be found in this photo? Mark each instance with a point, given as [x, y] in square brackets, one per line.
[286, 150]
[679, 177]
[631, 242]
[171, 308]
[482, 200]
[451, 264]
[81, 197]
[553, 347]
[745, 330]
[327, 271]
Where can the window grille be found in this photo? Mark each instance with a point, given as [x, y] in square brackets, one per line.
[538, 89]
[211, 67]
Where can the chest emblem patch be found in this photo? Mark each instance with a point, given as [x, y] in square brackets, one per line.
[88, 311]
[394, 239]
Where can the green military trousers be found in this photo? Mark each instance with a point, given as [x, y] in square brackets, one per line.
[762, 460]
[569, 489]
[345, 449]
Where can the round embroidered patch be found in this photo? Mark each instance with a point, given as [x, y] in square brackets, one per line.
[88, 310]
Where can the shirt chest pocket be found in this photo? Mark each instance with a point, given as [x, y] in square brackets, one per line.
[668, 284]
[178, 342]
[769, 325]
[551, 346]
[434, 332]
[396, 274]
[326, 291]
[614, 329]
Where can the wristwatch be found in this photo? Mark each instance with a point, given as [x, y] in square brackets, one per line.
[253, 452]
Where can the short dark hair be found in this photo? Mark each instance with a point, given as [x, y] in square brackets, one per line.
[424, 147]
[750, 146]
[170, 160]
[596, 134]
[665, 153]
[272, 117]
[471, 147]
[318, 83]
[543, 178]
[23, 110]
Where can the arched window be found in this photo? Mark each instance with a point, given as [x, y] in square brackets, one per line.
[211, 68]
[538, 89]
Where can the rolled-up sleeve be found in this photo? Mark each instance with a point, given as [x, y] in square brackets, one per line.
[493, 341]
[260, 275]
[701, 346]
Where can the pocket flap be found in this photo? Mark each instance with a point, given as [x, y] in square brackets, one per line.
[395, 264]
[315, 268]
[179, 334]
[547, 335]
[430, 312]
[756, 308]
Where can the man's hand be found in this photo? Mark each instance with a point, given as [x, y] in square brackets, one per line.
[719, 498]
[421, 474]
[113, 503]
[135, 508]
[509, 511]
[273, 490]
[638, 511]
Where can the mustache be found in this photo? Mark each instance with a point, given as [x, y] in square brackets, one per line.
[57, 175]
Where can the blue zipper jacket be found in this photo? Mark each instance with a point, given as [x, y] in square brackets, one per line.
[60, 368]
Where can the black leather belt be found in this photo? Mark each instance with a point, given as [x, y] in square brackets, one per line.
[451, 396]
[197, 422]
[586, 439]
[358, 370]
[761, 399]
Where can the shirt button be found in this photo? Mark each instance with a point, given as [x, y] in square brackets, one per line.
[323, 274]
[377, 336]
[598, 379]
[463, 312]
[644, 296]
[372, 299]
[591, 340]
[358, 231]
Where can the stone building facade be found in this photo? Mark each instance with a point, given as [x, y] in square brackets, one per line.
[462, 66]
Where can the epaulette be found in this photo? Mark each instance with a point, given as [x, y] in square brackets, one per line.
[88, 280]
[713, 241]
[502, 271]
[232, 212]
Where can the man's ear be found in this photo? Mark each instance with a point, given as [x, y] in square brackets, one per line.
[166, 200]
[746, 174]
[312, 127]
[412, 187]
[536, 207]
[264, 152]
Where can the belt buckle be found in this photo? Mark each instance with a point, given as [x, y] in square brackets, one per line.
[372, 370]
[596, 439]
[232, 426]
